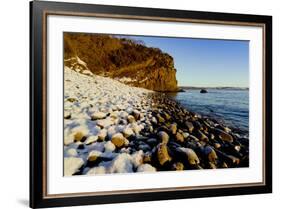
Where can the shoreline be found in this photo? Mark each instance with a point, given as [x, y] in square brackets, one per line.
[114, 128]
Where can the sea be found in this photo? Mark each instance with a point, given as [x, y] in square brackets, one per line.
[228, 106]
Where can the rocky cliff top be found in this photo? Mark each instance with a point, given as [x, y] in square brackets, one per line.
[126, 60]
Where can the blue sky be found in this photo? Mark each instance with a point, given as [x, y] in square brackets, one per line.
[205, 62]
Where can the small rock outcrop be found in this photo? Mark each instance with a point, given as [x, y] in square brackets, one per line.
[203, 91]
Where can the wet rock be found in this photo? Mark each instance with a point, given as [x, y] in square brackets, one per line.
[160, 118]
[237, 148]
[166, 116]
[144, 147]
[189, 126]
[212, 136]
[163, 154]
[223, 135]
[227, 130]
[72, 165]
[193, 138]
[197, 125]
[191, 156]
[147, 158]
[118, 140]
[178, 166]
[185, 134]
[163, 136]
[173, 128]
[179, 137]
[152, 141]
[224, 165]
[212, 165]
[217, 145]
[154, 120]
[234, 160]
[202, 136]
[210, 154]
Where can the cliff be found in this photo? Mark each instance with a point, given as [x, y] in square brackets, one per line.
[128, 61]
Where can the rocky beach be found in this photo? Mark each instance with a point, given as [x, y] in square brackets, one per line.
[112, 127]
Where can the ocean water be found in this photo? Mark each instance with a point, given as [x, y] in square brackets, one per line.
[229, 106]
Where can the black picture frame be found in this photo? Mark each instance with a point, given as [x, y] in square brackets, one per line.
[38, 12]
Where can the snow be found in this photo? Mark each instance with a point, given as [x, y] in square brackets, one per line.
[109, 146]
[72, 165]
[126, 80]
[146, 168]
[86, 96]
[122, 164]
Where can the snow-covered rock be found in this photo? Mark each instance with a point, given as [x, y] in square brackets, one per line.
[146, 168]
[72, 165]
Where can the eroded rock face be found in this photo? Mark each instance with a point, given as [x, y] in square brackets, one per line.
[124, 60]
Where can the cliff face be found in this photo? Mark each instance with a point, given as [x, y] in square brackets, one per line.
[128, 61]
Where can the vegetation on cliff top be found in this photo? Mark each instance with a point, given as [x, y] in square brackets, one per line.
[126, 60]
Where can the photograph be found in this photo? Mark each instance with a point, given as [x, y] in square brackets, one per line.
[135, 104]
[131, 104]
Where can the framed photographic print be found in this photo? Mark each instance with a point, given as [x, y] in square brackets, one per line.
[139, 104]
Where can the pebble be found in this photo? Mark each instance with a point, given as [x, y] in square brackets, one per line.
[97, 170]
[178, 166]
[211, 154]
[72, 165]
[189, 126]
[118, 140]
[131, 119]
[98, 115]
[192, 157]
[94, 155]
[173, 128]
[128, 132]
[109, 146]
[179, 137]
[163, 136]
[91, 139]
[224, 136]
[72, 152]
[146, 168]
[102, 134]
[162, 154]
